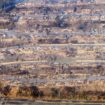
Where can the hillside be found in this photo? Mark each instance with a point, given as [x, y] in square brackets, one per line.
[52, 44]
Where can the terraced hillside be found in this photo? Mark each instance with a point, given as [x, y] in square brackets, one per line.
[53, 43]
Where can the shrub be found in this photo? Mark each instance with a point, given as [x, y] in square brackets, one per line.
[6, 90]
[54, 92]
[34, 91]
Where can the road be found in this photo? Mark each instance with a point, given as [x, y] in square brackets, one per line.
[53, 45]
[50, 102]
[22, 62]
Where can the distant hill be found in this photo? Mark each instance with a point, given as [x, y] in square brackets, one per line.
[100, 1]
[8, 4]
